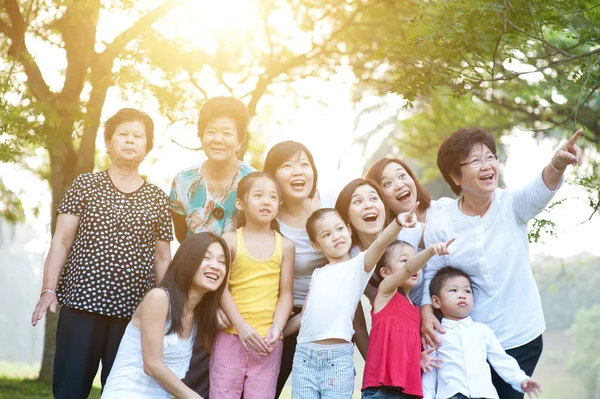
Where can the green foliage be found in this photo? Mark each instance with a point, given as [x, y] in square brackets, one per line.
[11, 208]
[584, 360]
[566, 286]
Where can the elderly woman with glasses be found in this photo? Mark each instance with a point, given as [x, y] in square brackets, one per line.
[490, 228]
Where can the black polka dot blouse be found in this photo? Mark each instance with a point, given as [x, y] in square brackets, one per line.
[111, 263]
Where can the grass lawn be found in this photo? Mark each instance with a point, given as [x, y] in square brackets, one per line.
[14, 388]
[17, 380]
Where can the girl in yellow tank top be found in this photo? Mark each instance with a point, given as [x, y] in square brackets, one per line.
[246, 357]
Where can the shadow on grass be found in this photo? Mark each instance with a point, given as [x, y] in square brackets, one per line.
[15, 388]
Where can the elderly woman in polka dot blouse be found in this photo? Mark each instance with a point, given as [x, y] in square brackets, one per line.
[112, 236]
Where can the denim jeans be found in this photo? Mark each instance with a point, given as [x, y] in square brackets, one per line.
[323, 374]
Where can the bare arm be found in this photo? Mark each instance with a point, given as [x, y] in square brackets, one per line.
[180, 226]
[390, 284]
[62, 241]
[162, 258]
[154, 311]
[361, 335]
[293, 325]
[245, 332]
[376, 250]
[285, 302]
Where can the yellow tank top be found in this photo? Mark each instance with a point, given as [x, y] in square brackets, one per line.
[254, 284]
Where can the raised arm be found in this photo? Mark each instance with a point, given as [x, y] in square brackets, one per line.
[390, 284]
[377, 248]
[154, 310]
[285, 302]
[62, 241]
[568, 154]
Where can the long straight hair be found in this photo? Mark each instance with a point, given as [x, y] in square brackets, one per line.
[243, 189]
[376, 170]
[342, 205]
[178, 281]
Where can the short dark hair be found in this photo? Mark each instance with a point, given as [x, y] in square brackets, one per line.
[456, 148]
[127, 115]
[314, 218]
[342, 205]
[443, 275]
[384, 261]
[228, 107]
[178, 281]
[376, 170]
[283, 151]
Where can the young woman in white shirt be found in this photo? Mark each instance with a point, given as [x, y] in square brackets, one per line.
[490, 227]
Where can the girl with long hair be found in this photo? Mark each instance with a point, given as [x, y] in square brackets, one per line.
[173, 319]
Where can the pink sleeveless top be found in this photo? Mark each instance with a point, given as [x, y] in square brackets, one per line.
[395, 348]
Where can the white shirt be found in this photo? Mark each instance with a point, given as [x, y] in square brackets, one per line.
[307, 258]
[334, 294]
[494, 251]
[467, 348]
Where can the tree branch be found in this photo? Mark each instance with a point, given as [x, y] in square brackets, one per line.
[18, 50]
[141, 25]
[536, 37]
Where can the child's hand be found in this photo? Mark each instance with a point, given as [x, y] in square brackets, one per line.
[251, 339]
[531, 387]
[441, 248]
[408, 219]
[428, 363]
[272, 337]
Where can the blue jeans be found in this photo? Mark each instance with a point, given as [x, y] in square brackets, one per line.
[385, 393]
[323, 374]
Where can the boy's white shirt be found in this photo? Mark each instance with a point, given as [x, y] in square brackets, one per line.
[334, 294]
[466, 348]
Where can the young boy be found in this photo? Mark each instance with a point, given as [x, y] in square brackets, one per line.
[467, 347]
[323, 365]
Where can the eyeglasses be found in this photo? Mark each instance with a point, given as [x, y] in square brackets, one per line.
[475, 163]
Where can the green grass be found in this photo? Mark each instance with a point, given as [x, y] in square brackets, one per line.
[14, 388]
[17, 379]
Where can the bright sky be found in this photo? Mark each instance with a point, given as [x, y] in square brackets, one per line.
[321, 116]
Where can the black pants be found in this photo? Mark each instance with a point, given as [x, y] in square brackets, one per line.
[527, 356]
[83, 339]
[287, 357]
[197, 376]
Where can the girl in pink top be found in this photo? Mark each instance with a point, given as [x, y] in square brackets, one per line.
[393, 364]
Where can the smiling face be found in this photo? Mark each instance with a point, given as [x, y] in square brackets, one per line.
[366, 212]
[399, 190]
[295, 177]
[261, 203]
[479, 172]
[332, 235]
[456, 298]
[220, 140]
[128, 143]
[400, 254]
[212, 270]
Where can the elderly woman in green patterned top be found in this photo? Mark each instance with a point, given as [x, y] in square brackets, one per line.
[202, 196]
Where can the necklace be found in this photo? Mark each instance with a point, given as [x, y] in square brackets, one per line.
[219, 192]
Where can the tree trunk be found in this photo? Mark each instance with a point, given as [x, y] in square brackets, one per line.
[62, 166]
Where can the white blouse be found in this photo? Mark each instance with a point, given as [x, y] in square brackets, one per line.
[494, 251]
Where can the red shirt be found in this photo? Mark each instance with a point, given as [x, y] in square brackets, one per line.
[394, 353]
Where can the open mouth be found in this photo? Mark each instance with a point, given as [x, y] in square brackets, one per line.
[211, 276]
[403, 196]
[370, 217]
[298, 184]
[487, 178]
[265, 212]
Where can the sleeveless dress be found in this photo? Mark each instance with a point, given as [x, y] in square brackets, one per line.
[394, 353]
[127, 378]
